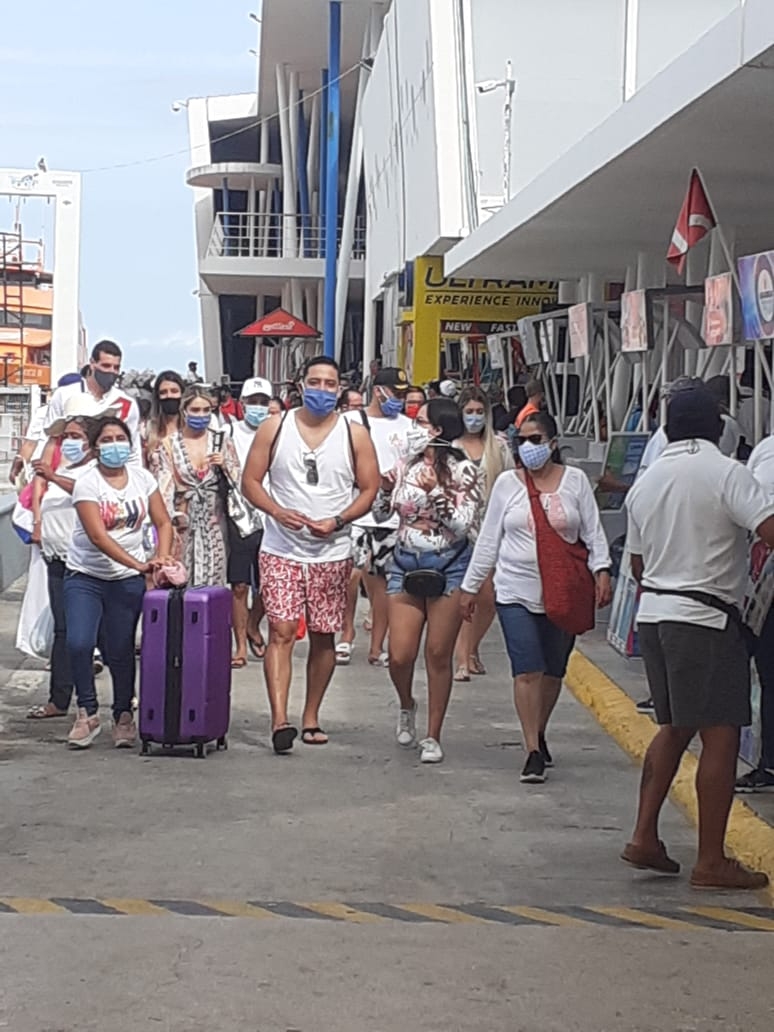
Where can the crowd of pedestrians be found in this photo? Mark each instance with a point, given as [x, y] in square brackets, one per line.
[416, 500]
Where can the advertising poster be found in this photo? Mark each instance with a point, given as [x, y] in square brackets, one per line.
[622, 629]
[624, 455]
[634, 321]
[756, 283]
[494, 347]
[718, 329]
[579, 322]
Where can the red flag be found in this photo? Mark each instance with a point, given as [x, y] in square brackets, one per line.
[693, 223]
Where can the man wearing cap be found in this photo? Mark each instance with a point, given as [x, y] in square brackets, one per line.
[243, 552]
[100, 382]
[689, 515]
[374, 542]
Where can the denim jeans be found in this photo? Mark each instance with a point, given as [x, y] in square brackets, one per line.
[764, 661]
[117, 605]
[60, 686]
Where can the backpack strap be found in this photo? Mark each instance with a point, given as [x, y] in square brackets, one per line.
[275, 439]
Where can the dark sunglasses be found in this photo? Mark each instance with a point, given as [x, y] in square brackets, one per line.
[531, 439]
[312, 473]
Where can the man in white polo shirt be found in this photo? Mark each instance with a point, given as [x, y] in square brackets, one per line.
[689, 515]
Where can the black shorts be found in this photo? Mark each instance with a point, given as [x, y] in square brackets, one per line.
[698, 676]
[243, 557]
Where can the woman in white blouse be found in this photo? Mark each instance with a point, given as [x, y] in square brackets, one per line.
[538, 650]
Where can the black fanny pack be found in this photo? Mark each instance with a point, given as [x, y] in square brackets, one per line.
[713, 602]
[428, 583]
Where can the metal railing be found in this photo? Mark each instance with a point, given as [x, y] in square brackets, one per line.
[260, 235]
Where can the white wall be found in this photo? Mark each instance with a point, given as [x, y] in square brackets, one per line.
[666, 28]
[567, 59]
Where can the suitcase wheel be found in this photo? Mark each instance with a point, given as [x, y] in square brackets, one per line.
[201, 751]
[145, 749]
[222, 743]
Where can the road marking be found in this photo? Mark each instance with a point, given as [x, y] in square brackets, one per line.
[344, 912]
[22, 905]
[135, 907]
[645, 918]
[548, 917]
[435, 912]
[234, 909]
[735, 917]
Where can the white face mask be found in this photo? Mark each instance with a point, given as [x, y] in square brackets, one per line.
[417, 439]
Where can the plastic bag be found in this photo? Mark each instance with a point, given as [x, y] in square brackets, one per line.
[42, 633]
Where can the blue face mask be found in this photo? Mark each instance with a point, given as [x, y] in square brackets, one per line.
[474, 422]
[197, 423]
[534, 456]
[73, 450]
[115, 454]
[391, 407]
[320, 403]
[255, 414]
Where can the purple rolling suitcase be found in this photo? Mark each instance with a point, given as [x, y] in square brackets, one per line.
[185, 668]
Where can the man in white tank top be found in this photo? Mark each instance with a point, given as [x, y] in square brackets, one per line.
[322, 474]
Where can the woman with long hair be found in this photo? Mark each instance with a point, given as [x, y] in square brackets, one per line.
[492, 455]
[187, 467]
[436, 493]
[168, 390]
[507, 543]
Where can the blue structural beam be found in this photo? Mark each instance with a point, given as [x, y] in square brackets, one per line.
[332, 176]
[303, 181]
[323, 162]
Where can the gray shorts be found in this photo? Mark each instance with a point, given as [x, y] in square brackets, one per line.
[698, 676]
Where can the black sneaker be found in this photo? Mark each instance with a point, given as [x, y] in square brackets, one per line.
[547, 757]
[646, 706]
[534, 770]
[760, 780]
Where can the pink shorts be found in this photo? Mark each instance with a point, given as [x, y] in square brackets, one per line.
[317, 591]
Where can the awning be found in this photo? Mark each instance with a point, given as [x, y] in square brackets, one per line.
[279, 323]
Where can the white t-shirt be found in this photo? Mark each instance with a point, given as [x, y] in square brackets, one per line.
[761, 464]
[506, 541]
[36, 430]
[123, 513]
[728, 444]
[389, 440]
[57, 514]
[125, 405]
[243, 436]
[688, 518]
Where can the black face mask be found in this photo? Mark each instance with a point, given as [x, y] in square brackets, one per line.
[170, 406]
[105, 381]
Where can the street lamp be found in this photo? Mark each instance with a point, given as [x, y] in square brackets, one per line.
[509, 85]
[178, 105]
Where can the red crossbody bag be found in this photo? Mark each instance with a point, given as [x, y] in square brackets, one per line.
[569, 591]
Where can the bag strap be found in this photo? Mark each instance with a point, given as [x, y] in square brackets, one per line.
[275, 439]
[365, 420]
[702, 597]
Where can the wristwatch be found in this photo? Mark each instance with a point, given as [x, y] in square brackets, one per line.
[339, 523]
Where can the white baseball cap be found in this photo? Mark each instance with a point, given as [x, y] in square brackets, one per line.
[448, 389]
[256, 385]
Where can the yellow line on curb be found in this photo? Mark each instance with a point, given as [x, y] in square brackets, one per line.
[136, 907]
[736, 917]
[548, 917]
[644, 918]
[749, 838]
[231, 908]
[438, 913]
[33, 906]
[344, 913]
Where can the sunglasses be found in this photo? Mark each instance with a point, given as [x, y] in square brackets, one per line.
[531, 439]
[312, 473]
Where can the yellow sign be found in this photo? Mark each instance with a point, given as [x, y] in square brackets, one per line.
[451, 307]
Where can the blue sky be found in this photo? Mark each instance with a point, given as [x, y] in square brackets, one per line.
[88, 84]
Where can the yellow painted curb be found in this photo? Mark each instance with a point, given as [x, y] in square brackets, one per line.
[749, 838]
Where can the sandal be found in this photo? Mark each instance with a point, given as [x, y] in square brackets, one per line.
[314, 736]
[258, 648]
[238, 663]
[343, 654]
[47, 712]
[475, 666]
[462, 674]
[282, 739]
[368, 623]
[382, 660]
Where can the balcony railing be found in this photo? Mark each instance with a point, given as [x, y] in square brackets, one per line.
[245, 235]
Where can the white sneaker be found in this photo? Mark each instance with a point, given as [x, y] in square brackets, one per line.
[407, 727]
[84, 730]
[431, 751]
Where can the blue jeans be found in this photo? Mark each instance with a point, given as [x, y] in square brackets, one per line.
[451, 562]
[117, 605]
[60, 685]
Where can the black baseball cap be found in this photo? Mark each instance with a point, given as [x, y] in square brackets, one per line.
[393, 378]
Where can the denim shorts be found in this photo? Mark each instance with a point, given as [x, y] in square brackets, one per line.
[410, 560]
[533, 643]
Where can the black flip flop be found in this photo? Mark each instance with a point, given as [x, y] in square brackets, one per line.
[282, 739]
[258, 649]
[308, 736]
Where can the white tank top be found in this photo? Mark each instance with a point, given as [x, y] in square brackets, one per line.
[330, 496]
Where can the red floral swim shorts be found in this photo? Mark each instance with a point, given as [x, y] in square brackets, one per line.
[318, 591]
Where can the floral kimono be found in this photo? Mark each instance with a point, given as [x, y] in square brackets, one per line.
[195, 502]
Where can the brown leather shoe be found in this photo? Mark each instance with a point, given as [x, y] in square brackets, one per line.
[728, 875]
[650, 860]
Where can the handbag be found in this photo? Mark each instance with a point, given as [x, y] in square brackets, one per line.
[569, 592]
[428, 583]
[246, 519]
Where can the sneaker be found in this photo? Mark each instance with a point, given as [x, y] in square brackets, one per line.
[431, 751]
[646, 706]
[407, 727]
[124, 732]
[534, 772]
[98, 663]
[760, 780]
[729, 875]
[84, 730]
[543, 747]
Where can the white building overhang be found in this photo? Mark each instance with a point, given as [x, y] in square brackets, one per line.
[265, 275]
[618, 191]
[241, 175]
